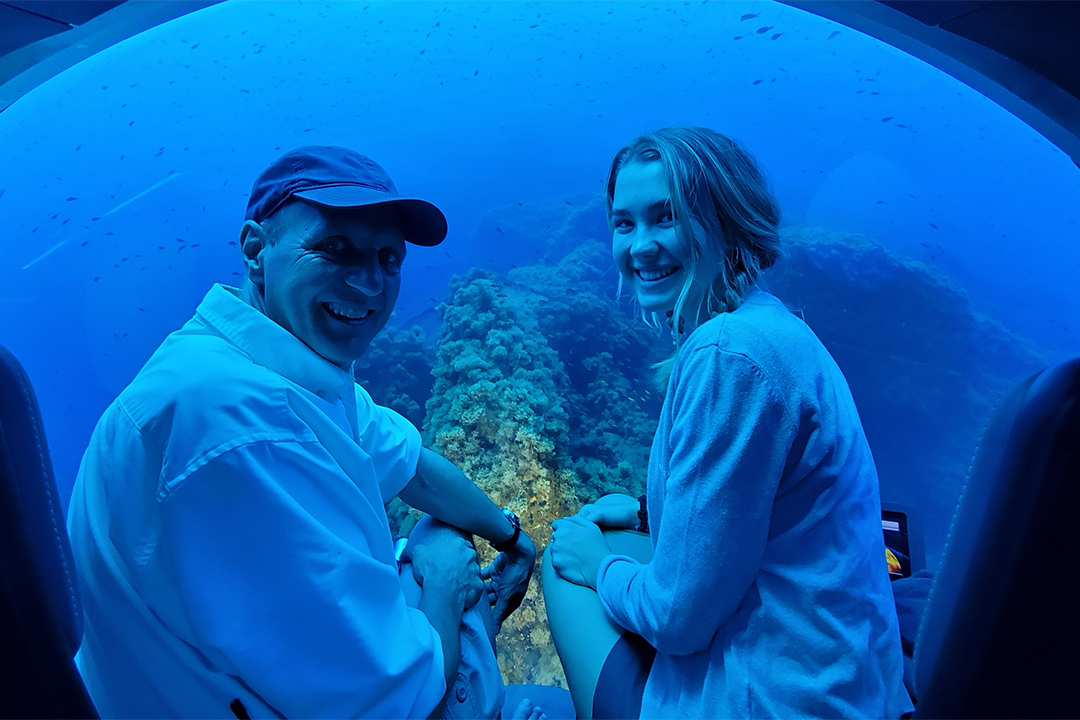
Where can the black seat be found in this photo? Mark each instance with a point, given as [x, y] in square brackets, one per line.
[40, 614]
[1001, 633]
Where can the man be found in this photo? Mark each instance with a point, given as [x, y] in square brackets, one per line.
[228, 518]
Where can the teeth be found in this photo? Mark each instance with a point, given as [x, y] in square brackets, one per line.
[651, 275]
[351, 313]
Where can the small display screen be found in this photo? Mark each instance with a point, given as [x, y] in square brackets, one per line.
[897, 551]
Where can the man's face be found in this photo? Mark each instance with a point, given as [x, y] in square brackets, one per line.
[331, 276]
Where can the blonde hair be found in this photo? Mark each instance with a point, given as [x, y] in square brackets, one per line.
[712, 179]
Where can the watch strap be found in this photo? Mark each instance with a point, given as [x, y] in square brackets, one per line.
[507, 544]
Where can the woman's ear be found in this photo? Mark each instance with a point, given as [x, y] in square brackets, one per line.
[254, 239]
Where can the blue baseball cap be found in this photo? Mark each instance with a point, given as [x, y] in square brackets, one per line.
[341, 178]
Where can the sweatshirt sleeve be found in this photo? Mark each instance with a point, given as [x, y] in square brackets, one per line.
[293, 593]
[729, 439]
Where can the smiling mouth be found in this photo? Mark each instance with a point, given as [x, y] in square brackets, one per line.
[655, 275]
[346, 314]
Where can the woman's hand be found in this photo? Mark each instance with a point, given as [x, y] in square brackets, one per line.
[577, 547]
[612, 511]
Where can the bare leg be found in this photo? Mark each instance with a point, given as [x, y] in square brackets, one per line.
[580, 628]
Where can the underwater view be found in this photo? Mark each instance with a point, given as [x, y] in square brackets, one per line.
[927, 234]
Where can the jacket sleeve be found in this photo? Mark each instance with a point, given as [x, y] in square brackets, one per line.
[729, 439]
[281, 573]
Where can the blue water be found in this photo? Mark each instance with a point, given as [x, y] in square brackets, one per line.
[124, 182]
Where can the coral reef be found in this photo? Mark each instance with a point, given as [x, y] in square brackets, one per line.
[396, 371]
[496, 413]
[543, 397]
[606, 355]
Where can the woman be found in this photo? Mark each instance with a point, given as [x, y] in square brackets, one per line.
[767, 592]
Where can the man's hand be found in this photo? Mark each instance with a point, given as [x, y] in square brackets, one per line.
[612, 511]
[443, 557]
[507, 578]
[577, 549]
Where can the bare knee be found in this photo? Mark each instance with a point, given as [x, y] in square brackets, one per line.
[429, 530]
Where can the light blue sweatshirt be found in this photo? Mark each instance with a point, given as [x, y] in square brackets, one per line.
[768, 593]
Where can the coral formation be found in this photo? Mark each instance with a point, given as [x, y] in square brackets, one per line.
[396, 371]
[496, 413]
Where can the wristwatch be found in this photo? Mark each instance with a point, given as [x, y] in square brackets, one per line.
[516, 522]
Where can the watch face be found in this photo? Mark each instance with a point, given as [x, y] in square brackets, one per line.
[512, 517]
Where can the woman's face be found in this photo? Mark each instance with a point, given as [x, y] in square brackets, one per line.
[645, 245]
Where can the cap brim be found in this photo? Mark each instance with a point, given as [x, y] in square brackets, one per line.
[424, 223]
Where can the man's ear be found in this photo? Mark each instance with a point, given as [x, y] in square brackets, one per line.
[254, 239]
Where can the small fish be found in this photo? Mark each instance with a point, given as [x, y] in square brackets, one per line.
[924, 245]
[934, 226]
[763, 30]
[880, 202]
[449, 255]
[71, 198]
[85, 244]
[757, 82]
[912, 196]
[886, 119]
[97, 278]
[1, 192]
[834, 34]
[749, 16]
[232, 242]
[476, 73]
[533, 26]
[776, 36]
[737, 37]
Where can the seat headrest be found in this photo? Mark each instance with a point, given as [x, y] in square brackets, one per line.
[1000, 636]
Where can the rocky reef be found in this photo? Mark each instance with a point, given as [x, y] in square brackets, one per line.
[541, 389]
